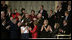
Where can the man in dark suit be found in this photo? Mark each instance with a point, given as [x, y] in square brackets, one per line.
[4, 7]
[43, 12]
[64, 5]
[65, 29]
[69, 10]
[39, 23]
[4, 26]
[67, 16]
[13, 29]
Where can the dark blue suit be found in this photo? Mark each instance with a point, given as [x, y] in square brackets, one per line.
[13, 31]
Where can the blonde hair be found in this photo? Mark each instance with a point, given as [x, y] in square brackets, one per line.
[57, 25]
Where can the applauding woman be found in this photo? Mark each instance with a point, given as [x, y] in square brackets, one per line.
[45, 29]
[34, 30]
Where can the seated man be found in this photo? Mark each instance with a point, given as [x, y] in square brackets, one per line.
[65, 29]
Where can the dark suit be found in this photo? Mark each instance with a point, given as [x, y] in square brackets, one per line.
[4, 31]
[39, 24]
[44, 13]
[64, 5]
[66, 28]
[52, 20]
[4, 8]
[13, 31]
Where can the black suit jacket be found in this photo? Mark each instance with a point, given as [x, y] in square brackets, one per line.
[44, 13]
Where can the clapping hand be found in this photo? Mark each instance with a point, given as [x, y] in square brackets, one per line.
[30, 28]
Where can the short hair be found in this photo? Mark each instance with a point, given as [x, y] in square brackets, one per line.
[67, 12]
[42, 6]
[33, 11]
[22, 9]
[51, 10]
[13, 19]
[57, 25]
[2, 11]
[66, 21]
[15, 9]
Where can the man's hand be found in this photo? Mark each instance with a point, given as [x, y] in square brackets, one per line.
[8, 27]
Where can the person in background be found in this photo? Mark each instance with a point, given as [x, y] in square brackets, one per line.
[64, 5]
[69, 10]
[46, 30]
[4, 25]
[55, 30]
[4, 7]
[9, 13]
[27, 19]
[34, 30]
[43, 12]
[51, 18]
[20, 18]
[15, 14]
[39, 23]
[67, 17]
[23, 13]
[65, 29]
[25, 31]
[32, 15]
[13, 29]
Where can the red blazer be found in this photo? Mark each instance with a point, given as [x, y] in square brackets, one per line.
[34, 32]
[16, 15]
[31, 17]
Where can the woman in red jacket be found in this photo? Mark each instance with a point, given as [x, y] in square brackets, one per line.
[34, 31]
[16, 14]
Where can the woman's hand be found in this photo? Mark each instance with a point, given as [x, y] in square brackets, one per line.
[30, 28]
[42, 28]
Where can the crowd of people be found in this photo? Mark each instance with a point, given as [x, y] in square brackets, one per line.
[43, 25]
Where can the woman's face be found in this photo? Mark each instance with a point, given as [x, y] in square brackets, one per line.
[45, 22]
[32, 13]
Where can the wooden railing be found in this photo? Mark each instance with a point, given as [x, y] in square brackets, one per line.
[58, 37]
[63, 35]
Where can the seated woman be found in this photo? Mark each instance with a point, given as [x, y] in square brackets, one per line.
[34, 30]
[55, 30]
[45, 29]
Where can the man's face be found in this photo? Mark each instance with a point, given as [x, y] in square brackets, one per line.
[69, 7]
[66, 14]
[15, 11]
[23, 11]
[32, 12]
[2, 2]
[39, 15]
[50, 12]
[15, 21]
[41, 8]
[64, 22]
[2, 14]
[27, 15]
